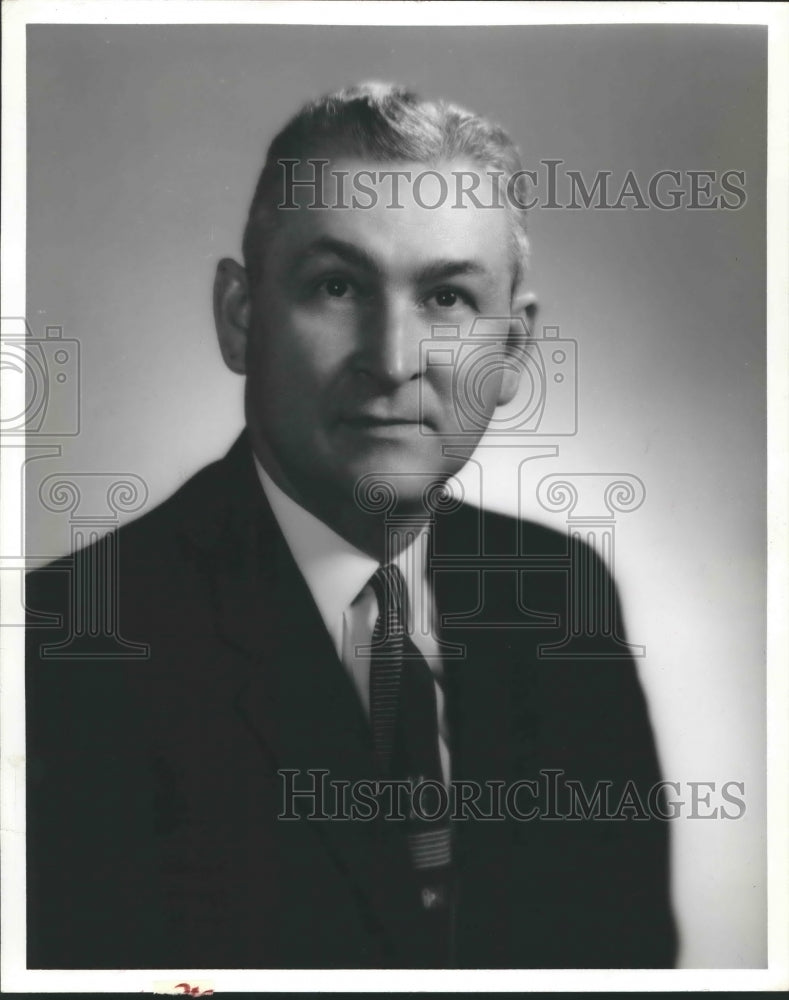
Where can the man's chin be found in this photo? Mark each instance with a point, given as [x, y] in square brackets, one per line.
[397, 488]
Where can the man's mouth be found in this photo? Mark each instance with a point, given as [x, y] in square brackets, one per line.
[375, 424]
[367, 420]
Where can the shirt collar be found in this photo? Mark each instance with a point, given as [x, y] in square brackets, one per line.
[335, 571]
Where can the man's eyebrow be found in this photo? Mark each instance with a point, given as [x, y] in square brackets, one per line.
[340, 248]
[437, 270]
[440, 270]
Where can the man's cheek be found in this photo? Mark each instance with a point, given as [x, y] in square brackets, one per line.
[469, 390]
[439, 399]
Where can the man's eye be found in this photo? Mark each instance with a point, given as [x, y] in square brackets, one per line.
[336, 287]
[447, 298]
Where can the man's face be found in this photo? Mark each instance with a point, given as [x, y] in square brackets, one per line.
[349, 370]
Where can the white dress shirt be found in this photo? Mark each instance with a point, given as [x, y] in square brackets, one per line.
[338, 574]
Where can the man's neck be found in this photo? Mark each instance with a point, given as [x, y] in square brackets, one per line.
[379, 535]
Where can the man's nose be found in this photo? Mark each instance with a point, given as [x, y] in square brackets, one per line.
[391, 351]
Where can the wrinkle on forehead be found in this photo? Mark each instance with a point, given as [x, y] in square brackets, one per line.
[390, 235]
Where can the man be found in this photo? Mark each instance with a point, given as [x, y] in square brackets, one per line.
[324, 622]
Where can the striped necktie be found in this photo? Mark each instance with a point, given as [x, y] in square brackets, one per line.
[404, 721]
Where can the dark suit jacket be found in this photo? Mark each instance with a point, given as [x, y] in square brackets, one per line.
[153, 785]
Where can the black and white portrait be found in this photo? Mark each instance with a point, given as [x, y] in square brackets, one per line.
[385, 555]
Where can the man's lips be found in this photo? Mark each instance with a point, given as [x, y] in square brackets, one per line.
[363, 420]
[372, 421]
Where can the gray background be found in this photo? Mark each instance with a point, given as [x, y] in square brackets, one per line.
[144, 146]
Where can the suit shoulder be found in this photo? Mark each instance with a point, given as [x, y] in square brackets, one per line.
[504, 533]
[151, 540]
[542, 534]
[204, 494]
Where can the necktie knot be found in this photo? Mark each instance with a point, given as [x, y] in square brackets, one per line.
[391, 594]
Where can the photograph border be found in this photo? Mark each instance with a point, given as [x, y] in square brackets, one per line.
[17, 14]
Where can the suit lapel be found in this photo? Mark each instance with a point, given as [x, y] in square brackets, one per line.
[293, 691]
[477, 679]
[478, 687]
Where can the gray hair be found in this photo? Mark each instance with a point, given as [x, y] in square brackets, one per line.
[385, 123]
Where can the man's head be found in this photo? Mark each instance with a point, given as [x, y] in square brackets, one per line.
[385, 124]
[357, 316]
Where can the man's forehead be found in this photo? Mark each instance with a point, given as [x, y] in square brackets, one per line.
[381, 207]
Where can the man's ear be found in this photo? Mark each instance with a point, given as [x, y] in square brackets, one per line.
[232, 313]
[523, 310]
